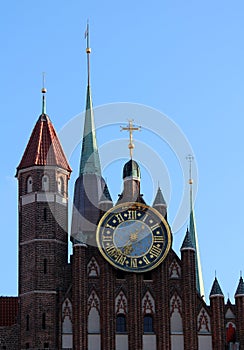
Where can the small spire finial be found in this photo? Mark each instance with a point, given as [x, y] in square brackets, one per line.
[130, 127]
[44, 91]
[190, 160]
[88, 50]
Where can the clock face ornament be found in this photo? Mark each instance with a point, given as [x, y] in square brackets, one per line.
[133, 237]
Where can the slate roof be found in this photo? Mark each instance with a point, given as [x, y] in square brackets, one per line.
[240, 288]
[8, 311]
[216, 290]
[44, 147]
[159, 198]
[187, 243]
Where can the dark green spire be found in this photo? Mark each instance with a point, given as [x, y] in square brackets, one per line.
[194, 238]
[216, 290]
[89, 162]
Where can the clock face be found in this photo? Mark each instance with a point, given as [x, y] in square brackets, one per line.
[133, 237]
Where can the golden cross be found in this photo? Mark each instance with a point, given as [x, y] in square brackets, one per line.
[130, 127]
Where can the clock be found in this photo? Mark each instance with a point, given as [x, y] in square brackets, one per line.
[133, 237]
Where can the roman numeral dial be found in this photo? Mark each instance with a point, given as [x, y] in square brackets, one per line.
[133, 237]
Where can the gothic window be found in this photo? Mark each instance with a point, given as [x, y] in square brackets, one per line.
[44, 321]
[121, 323]
[121, 304]
[45, 183]
[230, 332]
[93, 313]
[93, 269]
[29, 184]
[174, 270]
[46, 345]
[67, 317]
[176, 314]
[203, 322]
[148, 324]
[61, 185]
[27, 345]
[27, 322]
[120, 275]
[45, 266]
[148, 304]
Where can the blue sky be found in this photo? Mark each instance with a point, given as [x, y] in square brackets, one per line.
[184, 59]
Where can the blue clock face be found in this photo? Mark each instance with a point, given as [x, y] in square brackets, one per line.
[133, 237]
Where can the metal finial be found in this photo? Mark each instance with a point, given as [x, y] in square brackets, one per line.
[88, 50]
[130, 127]
[190, 159]
[44, 90]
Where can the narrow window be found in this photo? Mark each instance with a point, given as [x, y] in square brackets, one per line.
[121, 323]
[120, 275]
[148, 324]
[45, 266]
[61, 185]
[45, 183]
[29, 184]
[27, 345]
[46, 345]
[27, 322]
[45, 214]
[44, 321]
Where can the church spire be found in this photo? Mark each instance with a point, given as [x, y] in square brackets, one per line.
[193, 233]
[89, 161]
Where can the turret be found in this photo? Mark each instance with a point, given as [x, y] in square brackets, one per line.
[217, 319]
[43, 175]
[160, 204]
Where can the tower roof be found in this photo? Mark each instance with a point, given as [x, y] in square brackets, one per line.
[44, 147]
[216, 290]
[240, 288]
[105, 197]
[159, 198]
[187, 243]
[131, 169]
[89, 161]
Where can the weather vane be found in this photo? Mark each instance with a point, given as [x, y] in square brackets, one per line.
[131, 128]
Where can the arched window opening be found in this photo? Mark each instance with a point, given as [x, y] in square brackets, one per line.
[27, 322]
[120, 323]
[29, 184]
[148, 324]
[44, 321]
[61, 185]
[45, 183]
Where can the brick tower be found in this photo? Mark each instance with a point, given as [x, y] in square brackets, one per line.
[43, 175]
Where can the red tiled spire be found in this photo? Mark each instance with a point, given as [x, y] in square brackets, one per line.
[44, 147]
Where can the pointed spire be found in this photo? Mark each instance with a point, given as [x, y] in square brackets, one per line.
[240, 288]
[193, 232]
[89, 162]
[159, 198]
[187, 243]
[106, 197]
[216, 290]
[44, 91]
